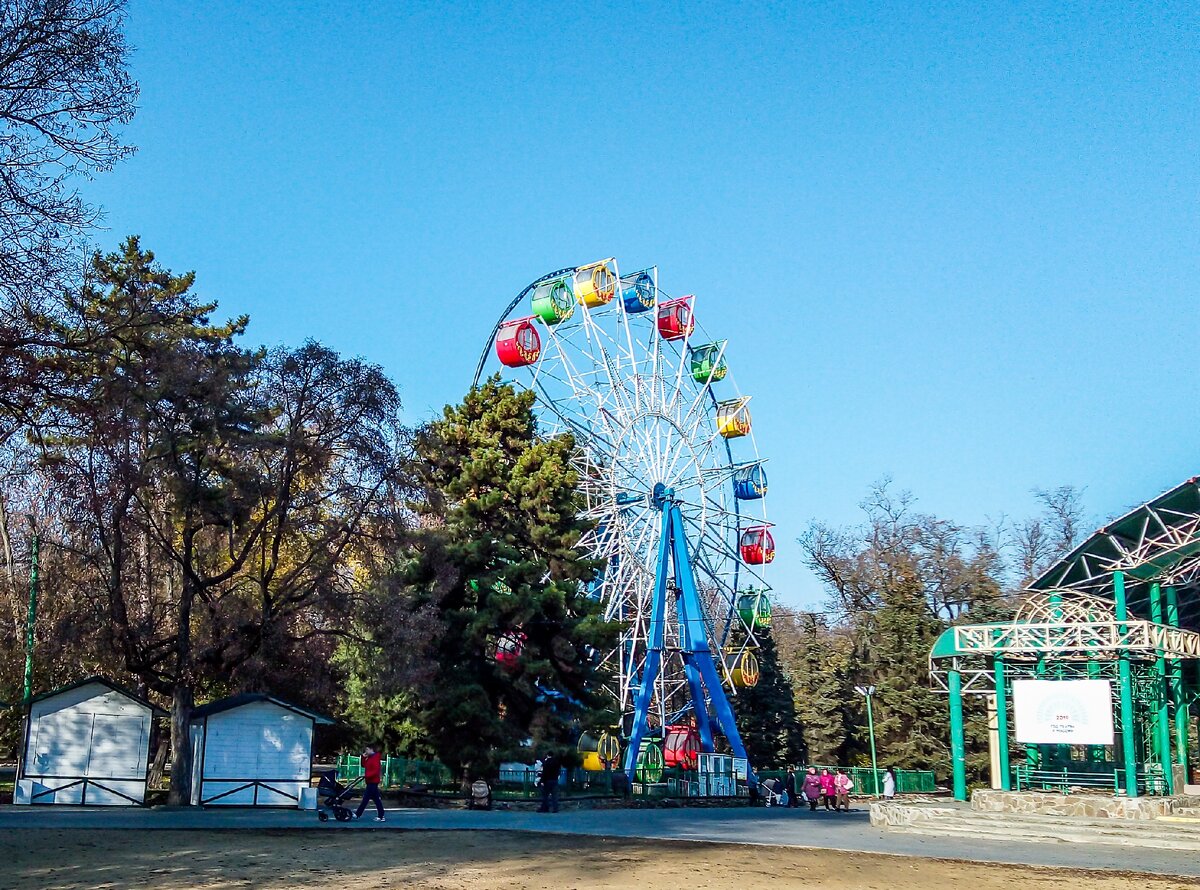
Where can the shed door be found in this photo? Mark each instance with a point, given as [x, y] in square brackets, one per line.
[119, 747]
[284, 747]
[59, 743]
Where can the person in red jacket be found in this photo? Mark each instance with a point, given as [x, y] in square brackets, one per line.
[372, 773]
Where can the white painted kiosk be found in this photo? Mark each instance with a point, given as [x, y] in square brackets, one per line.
[86, 744]
[252, 750]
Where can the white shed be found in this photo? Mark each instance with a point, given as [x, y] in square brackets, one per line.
[252, 750]
[87, 743]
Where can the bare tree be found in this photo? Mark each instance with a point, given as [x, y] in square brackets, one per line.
[1039, 542]
[65, 89]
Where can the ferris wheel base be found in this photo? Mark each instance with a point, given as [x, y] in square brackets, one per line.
[674, 577]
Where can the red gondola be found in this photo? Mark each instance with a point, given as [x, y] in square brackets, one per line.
[509, 648]
[757, 546]
[675, 319]
[681, 747]
[518, 343]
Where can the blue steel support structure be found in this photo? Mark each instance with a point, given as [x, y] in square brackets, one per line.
[674, 564]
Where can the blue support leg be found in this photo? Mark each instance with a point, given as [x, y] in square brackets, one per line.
[692, 617]
[654, 652]
[696, 688]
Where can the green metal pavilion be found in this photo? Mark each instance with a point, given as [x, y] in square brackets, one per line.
[1123, 606]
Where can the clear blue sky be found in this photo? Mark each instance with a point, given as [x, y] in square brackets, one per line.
[954, 245]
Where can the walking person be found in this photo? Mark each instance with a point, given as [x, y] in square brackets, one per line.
[842, 786]
[812, 788]
[372, 765]
[790, 787]
[889, 784]
[828, 792]
[551, 767]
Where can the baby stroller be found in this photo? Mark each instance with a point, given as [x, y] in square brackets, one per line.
[334, 794]
[773, 793]
[481, 796]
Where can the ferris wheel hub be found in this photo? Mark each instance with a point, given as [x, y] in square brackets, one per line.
[661, 495]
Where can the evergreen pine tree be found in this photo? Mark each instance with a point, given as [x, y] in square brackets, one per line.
[816, 661]
[766, 712]
[911, 719]
[496, 559]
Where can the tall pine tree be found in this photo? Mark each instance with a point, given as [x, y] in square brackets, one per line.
[766, 712]
[496, 561]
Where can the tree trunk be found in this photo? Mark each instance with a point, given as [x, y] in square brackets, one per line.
[182, 695]
[159, 765]
[181, 746]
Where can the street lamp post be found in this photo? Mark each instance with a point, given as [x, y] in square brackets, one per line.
[867, 692]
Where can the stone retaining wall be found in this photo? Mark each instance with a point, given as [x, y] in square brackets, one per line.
[1098, 806]
[892, 814]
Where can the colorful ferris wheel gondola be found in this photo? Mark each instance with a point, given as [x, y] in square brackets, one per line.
[733, 417]
[754, 608]
[708, 363]
[637, 292]
[554, 301]
[518, 343]
[599, 752]
[750, 482]
[757, 546]
[508, 648]
[681, 745]
[746, 672]
[596, 283]
[676, 319]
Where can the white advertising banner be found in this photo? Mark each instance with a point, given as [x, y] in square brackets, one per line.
[1063, 712]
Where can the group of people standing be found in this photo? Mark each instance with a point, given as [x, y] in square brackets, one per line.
[832, 789]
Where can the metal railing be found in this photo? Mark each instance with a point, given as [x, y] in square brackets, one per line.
[868, 781]
[1064, 780]
[522, 783]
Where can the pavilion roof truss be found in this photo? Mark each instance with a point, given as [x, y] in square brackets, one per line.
[976, 645]
[1141, 640]
[1159, 540]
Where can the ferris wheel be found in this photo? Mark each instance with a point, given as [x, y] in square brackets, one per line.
[672, 480]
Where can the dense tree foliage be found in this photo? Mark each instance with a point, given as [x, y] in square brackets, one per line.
[766, 712]
[210, 502]
[495, 560]
[894, 584]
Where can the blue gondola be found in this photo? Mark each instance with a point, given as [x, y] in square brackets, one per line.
[750, 483]
[637, 292]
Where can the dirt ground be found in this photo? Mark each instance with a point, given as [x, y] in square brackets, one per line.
[454, 860]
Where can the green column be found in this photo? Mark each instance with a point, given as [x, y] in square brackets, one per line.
[958, 756]
[1096, 753]
[31, 618]
[1177, 692]
[1125, 681]
[1002, 725]
[1162, 713]
[1035, 755]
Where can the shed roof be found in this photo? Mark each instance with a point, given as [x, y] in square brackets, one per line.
[1158, 541]
[103, 681]
[249, 698]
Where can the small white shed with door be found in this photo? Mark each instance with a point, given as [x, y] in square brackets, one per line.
[86, 744]
[252, 750]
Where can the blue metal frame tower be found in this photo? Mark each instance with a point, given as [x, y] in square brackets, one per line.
[674, 577]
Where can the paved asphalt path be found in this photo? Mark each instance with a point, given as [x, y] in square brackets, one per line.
[851, 832]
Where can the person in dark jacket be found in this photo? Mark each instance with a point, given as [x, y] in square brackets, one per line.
[790, 787]
[372, 765]
[551, 767]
